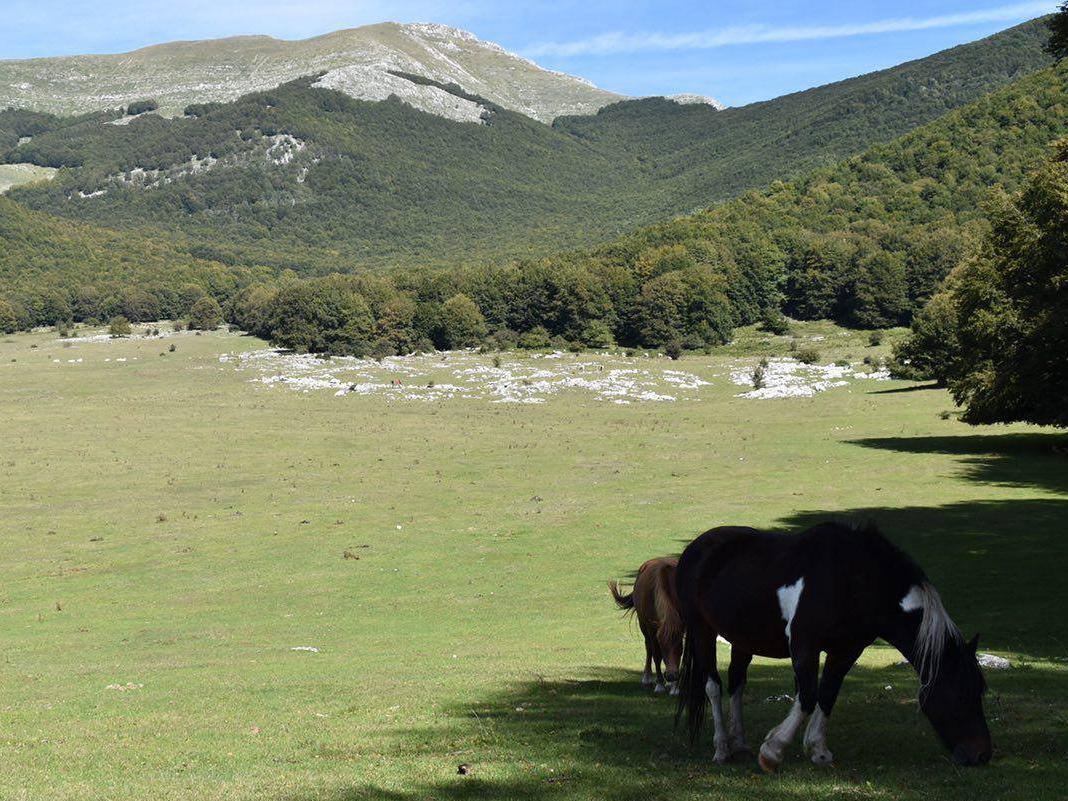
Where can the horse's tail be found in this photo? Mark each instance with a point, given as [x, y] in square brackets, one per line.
[667, 606]
[698, 645]
[625, 602]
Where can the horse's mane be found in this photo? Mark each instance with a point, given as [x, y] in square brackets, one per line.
[936, 629]
[934, 633]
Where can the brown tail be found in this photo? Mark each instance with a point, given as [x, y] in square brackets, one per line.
[667, 606]
[625, 602]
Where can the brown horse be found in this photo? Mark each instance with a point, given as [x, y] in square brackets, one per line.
[652, 599]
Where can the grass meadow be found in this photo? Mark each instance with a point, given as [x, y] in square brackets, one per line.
[170, 531]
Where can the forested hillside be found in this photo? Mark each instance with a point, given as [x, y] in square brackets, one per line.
[720, 154]
[53, 271]
[311, 179]
[865, 242]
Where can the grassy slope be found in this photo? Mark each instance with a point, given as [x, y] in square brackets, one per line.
[398, 186]
[169, 524]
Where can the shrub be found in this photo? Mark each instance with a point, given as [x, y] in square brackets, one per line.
[534, 339]
[875, 338]
[775, 322]
[462, 323]
[142, 106]
[119, 327]
[206, 314]
[598, 334]
[673, 349]
[759, 377]
[807, 355]
[9, 320]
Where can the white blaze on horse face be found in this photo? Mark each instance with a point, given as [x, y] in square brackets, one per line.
[789, 598]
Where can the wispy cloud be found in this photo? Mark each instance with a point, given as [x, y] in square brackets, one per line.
[618, 42]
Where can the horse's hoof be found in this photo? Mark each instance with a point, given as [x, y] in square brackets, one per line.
[823, 758]
[769, 763]
[721, 757]
[674, 690]
[660, 688]
[741, 751]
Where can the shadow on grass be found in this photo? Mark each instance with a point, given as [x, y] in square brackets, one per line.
[900, 390]
[1012, 460]
[603, 736]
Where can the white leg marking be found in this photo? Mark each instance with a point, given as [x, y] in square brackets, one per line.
[659, 688]
[816, 739]
[774, 747]
[647, 678]
[789, 598]
[737, 741]
[720, 740]
[674, 688]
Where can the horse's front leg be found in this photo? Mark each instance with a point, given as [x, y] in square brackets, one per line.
[806, 662]
[835, 669]
[736, 679]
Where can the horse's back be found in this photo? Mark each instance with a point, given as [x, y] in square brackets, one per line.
[650, 576]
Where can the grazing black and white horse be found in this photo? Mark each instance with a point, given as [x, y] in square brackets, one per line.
[832, 589]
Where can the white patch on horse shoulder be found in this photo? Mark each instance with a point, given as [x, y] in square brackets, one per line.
[789, 598]
[913, 600]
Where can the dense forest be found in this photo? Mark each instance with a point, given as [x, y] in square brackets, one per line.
[53, 271]
[866, 242]
[309, 179]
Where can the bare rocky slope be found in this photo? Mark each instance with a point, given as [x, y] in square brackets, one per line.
[358, 61]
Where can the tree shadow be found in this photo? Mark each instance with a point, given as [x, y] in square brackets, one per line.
[1011, 460]
[603, 736]
[999, 565]
[910, 388]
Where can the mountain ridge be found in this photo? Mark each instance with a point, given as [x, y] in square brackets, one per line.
[177, 74]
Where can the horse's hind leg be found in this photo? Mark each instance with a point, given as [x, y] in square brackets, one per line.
[714, 691]
[806, 662]
[647, 676]
[736, 678]
[658, 660]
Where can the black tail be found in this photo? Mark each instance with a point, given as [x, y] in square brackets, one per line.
[625, 602]
[696, 654]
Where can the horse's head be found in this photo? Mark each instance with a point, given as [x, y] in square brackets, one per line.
[953, 702]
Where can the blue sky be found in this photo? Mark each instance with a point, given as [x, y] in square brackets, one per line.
[736, 51]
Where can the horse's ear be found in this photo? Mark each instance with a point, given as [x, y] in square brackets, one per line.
[973, 644]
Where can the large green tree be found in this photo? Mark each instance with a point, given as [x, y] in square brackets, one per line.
[1058, 40]
[1011, 301]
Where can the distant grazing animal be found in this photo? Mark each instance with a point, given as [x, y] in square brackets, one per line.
[834, 589]
[653, 601]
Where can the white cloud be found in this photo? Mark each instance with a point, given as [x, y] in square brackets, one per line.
[618, 42]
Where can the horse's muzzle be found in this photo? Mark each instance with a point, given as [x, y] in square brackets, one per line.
[972, 754]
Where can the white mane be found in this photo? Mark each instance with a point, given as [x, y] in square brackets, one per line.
[935, 631]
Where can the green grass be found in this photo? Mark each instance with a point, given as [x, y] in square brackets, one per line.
[168, 523]
[12, 175]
